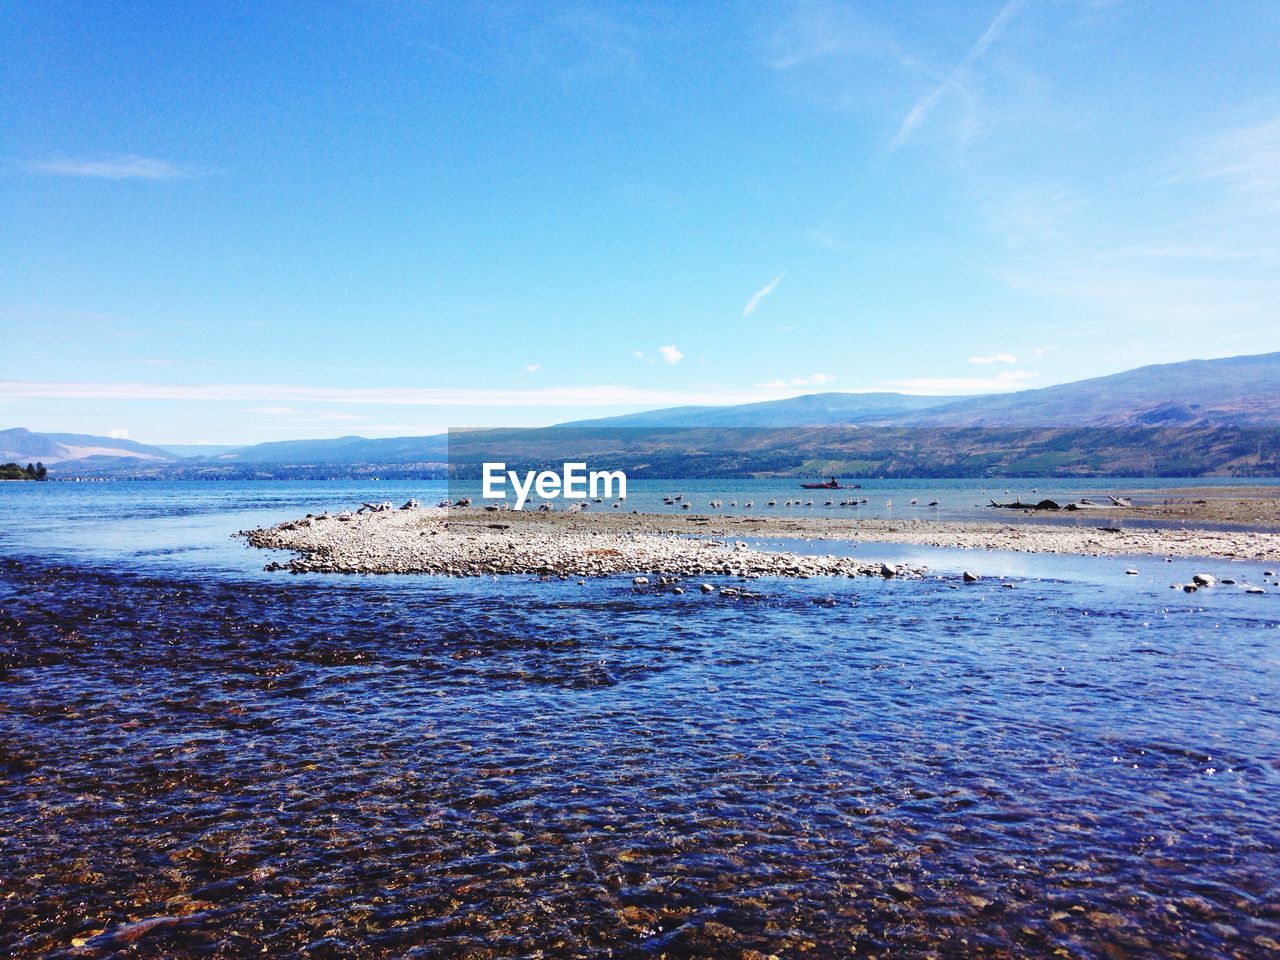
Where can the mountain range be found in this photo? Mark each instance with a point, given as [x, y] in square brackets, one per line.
[1198, 416]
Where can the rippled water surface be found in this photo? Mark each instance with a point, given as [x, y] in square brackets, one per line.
[1085, 765]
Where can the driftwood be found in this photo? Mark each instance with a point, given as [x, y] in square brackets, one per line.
[1117, 503]
[1084, 503]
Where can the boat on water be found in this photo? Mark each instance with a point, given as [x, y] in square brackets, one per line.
[832, 484]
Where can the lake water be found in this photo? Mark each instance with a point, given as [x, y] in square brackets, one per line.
[1086, 764]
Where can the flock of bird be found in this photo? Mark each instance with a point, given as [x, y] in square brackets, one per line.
[679, 499]
[684, 503]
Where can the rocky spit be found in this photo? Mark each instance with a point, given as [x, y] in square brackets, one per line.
[1102, 540]
[465, 541]
[468, 542]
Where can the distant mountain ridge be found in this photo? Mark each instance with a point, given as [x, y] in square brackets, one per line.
[397, 450]
[60, 448]
[1240, 391]
[810, 410]
[1206, 415]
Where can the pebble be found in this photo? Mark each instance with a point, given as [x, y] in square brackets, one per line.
[462, 543]
[582, 545]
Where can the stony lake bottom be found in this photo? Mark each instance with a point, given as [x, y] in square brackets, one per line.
[201, 759]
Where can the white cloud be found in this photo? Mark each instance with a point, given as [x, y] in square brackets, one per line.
[760, 294]
[119, 433]
[671, 354]
[995, 358]
[641, 355]
[532, 367]
[126, 166]
[814, 379]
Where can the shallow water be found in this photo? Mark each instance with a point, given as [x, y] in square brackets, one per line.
[418, 766]
[188, 524]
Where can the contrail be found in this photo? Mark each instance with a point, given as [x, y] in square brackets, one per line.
[761, 294]
[925, 103]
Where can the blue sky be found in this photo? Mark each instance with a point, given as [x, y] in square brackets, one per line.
[255, 221]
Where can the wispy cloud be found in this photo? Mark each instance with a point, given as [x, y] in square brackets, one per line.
[760, 294]
[304, 416]
[1247, 160]
[954, 79]
[641, 355]
[283, 395]
[671, 354]
[532, 367]
[820, 30]
[118, 433]
[127, 166]
[995, 358]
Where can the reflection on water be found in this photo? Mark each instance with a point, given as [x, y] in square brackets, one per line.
[396, 767]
